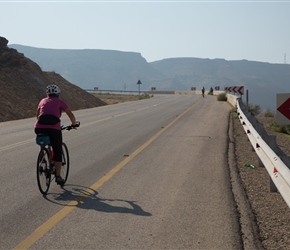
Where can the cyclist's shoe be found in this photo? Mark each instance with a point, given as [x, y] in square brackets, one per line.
[59, 180]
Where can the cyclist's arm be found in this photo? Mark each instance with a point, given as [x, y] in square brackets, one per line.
[71, 116]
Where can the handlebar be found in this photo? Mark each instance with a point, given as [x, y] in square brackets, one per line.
[69, 127]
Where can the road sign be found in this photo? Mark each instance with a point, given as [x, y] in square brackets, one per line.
[236, 89]
[239, 90]
[283, 109]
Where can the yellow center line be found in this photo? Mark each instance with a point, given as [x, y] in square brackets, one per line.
[55, 219]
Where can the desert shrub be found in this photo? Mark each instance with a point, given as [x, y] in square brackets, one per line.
[285, 129]
[254, 109]
[268, 113]
[145, 96]
[222, 97]
[235, 113]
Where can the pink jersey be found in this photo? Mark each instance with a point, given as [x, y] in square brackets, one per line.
[53, 106]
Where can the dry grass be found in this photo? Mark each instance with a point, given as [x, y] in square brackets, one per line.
[118, 98]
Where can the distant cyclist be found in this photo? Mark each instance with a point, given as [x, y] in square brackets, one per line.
[202, 91]
[48, 122]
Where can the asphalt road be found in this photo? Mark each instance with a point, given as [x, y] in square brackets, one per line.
[151, 174]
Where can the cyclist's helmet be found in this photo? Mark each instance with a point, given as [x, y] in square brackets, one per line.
[52, 89]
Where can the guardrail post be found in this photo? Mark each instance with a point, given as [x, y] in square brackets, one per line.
[260, 163]
[273, 188]
[271, 140]
[285, 159]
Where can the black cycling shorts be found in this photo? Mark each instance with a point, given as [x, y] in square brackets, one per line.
[55, 137]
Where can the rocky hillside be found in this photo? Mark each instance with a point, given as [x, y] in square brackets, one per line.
[23, 84]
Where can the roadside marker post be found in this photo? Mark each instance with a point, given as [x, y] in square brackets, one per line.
[283, 109]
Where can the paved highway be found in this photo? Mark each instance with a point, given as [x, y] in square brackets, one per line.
[151, 174]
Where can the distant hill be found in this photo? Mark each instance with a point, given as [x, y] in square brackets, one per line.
[94, 68]
[108, 69]
[23, 84]
[262, 80]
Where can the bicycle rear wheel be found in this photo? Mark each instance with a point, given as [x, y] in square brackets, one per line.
[43, 170]
[65, 162]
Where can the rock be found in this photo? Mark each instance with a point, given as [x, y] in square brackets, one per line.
[3, 42]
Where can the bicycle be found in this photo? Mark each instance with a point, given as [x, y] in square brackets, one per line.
[45, 168]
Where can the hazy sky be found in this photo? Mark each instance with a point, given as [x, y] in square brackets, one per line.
[233, 30]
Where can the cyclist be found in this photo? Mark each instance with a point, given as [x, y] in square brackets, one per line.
[48, 122]
[202, 91]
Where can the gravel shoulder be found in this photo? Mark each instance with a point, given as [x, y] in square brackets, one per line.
[269, 213]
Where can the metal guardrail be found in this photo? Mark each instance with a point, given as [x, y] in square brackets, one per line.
[278, 171]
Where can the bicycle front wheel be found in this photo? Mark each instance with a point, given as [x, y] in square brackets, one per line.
[43, 170]
[65, 162]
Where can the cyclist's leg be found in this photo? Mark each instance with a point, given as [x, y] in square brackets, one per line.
[56, 143]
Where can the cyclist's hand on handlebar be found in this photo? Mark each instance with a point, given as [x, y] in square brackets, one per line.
[76, 125]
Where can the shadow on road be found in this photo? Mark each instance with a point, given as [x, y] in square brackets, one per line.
[86, 198]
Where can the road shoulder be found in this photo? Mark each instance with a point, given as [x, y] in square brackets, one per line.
[248, 226]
